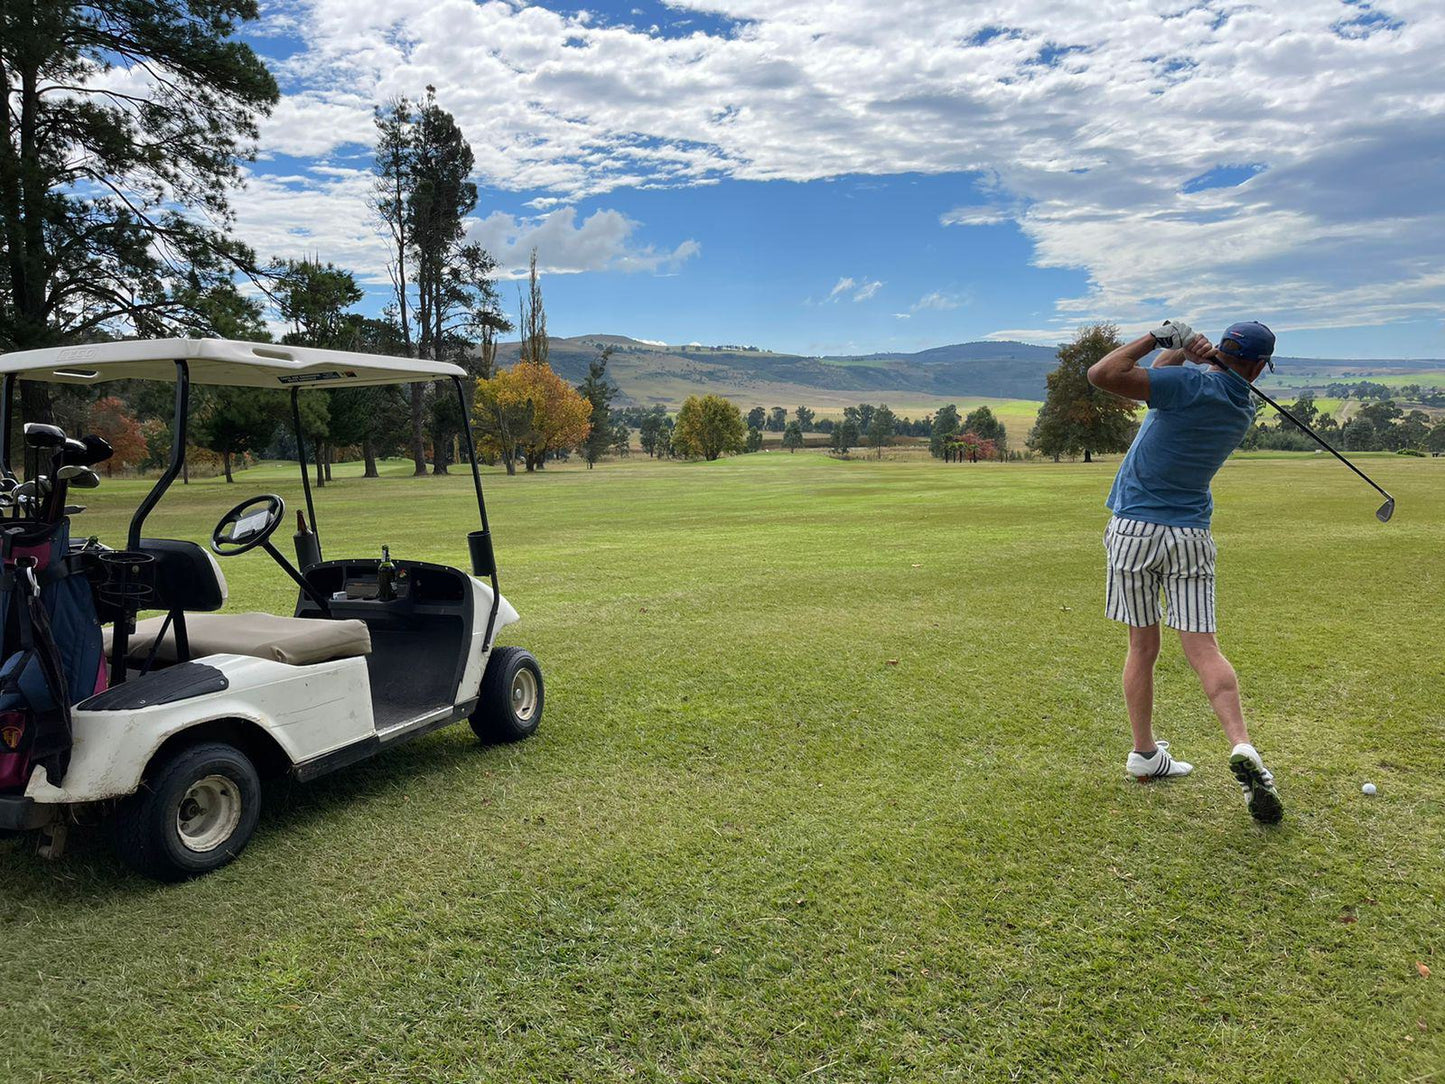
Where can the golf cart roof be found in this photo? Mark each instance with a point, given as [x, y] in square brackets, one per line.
[220, 361]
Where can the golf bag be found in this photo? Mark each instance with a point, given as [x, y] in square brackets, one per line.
[51, 648]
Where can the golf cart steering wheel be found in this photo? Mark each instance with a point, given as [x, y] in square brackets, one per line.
[241, 529]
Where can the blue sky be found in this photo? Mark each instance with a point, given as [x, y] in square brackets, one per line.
[828, 178]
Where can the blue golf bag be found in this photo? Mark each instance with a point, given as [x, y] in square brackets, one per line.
[50, 644]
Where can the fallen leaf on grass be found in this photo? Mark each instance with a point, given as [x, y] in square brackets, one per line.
[892, 662]
[1347, 918]
[1424, 971]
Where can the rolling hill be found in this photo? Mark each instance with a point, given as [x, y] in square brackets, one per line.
[649, 373]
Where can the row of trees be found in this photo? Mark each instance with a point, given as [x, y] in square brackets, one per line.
[1366, 390]
[806, 420]
[1378, 426]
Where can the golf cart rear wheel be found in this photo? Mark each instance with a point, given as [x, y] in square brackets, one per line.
[195, 814]
[510, 705]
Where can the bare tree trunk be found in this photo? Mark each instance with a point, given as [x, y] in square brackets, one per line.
[440, 446]
[35, 402]
[368, 453]
[418, 430]
[320, 474]
[226, 465]
[330, 453]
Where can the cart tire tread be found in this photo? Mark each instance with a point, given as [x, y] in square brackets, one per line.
[145, 828]
[496, 718]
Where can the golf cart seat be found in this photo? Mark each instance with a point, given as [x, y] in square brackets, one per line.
[297, 641]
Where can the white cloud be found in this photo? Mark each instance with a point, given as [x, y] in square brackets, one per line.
[601, 242]
[937, 299]
[327, 211]
[974, 216]
[856, 289]
[1085, 121]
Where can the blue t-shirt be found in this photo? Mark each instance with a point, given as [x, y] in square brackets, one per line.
[1196, 418]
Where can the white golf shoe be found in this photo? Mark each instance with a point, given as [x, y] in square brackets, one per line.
[1160, 766]
[1257, 782]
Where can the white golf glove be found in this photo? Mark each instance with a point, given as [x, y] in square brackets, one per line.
[1173, 334]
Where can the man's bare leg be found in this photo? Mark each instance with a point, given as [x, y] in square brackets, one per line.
[1220, 683]
[1139, 684]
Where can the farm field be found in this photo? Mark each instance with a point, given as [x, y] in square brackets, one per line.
[829, 788]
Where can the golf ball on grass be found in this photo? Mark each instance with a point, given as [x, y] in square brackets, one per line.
[1368, 788]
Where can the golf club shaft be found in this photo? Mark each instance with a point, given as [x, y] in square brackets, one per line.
[1316, 437]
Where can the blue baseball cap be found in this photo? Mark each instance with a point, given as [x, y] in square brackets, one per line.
[1248, 340]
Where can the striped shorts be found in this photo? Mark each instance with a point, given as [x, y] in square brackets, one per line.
[1150, 559]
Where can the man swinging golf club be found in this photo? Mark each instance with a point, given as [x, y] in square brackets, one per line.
[1158, 541]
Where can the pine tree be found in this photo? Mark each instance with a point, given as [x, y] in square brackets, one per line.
[120, 138]
[599, 392]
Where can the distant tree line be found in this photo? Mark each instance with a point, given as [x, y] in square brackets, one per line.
[1366, 390]
[1378, 426]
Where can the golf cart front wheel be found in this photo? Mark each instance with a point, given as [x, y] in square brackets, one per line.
[510, 705]
[195, 815]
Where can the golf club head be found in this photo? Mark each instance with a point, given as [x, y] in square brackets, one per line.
[1386, 510]
[98, 449]
[40, 435]
[7, 484]
[74, 509]
[74, 451]
[79, 477]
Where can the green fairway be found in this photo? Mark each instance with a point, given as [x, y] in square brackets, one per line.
[830, 788]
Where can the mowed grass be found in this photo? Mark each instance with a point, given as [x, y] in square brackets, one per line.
[829, 789]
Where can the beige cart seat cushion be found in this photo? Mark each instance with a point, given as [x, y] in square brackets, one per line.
[298, 641]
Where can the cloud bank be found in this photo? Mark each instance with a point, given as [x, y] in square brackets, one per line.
[1090, 122]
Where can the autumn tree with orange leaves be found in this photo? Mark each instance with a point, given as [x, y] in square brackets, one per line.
[527, 412]
[110, 419]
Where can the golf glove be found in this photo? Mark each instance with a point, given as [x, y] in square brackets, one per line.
[1173, 334]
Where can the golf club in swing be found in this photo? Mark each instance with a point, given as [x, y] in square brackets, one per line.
[1386, 510]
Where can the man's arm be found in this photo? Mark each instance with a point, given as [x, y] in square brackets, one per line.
[1169, 357]
[1118, 371]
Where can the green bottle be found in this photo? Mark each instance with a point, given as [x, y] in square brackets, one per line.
[386, 576]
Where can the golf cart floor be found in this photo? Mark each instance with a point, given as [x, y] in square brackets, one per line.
[413, 672]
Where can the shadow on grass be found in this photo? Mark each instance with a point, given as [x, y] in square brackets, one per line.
[89, 873]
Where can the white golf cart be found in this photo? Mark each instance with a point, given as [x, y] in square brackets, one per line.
[201, 705]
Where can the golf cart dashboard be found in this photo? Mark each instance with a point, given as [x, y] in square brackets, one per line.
[355, 587]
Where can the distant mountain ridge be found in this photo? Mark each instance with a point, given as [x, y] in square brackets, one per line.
[648, 373]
